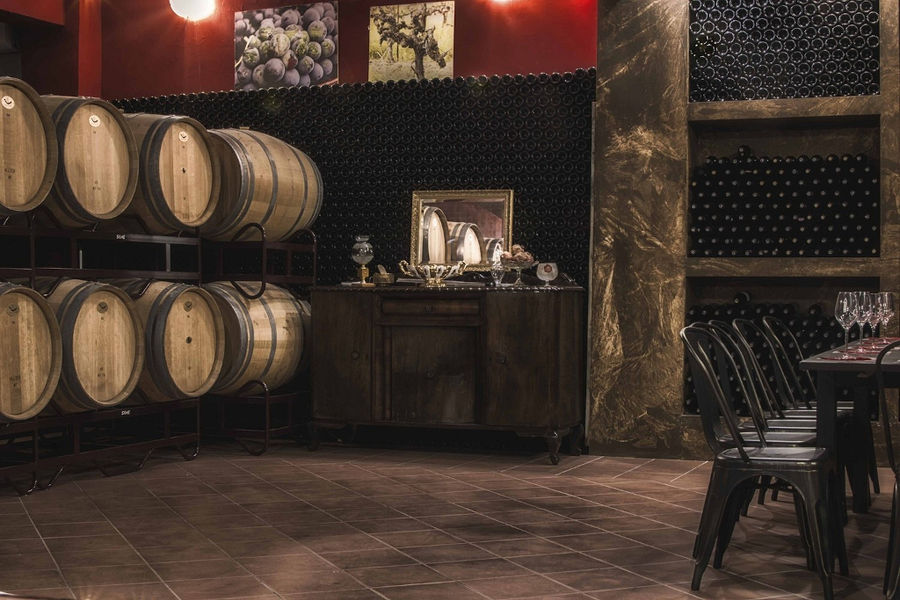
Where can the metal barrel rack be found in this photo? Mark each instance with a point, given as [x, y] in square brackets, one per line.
[128, 434]
[283, 412]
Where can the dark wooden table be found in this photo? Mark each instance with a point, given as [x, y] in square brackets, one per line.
[855, 374]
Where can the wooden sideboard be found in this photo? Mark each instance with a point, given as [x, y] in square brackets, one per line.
[510, 358]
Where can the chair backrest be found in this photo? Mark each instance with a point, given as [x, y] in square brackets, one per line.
[882, 402]
[781, 336]
[755, 340]
[716, 411]
[759, 397]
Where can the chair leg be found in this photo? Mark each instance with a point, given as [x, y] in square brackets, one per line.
[730, 519]
[892, 568]
[816, 515]
[803, 526]
[713, 510]
[764, 482]
[835, 523]
[871, 459]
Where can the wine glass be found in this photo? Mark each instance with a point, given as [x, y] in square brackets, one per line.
[863, 314]
[547, 272]
[845, 311]
[885, 311]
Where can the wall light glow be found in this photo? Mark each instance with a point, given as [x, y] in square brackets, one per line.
[193, 10]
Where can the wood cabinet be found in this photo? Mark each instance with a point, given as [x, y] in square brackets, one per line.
[467, 357]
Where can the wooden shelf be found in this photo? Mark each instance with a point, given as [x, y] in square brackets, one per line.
[785, 267]
[845, 107]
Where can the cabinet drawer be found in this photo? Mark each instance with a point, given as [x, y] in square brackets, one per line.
[424, 306]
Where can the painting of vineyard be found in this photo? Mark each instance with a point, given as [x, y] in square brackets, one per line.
[411, 41]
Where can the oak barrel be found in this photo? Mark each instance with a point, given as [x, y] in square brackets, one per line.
[178, 185]
[98, 161]
[28, 150]
[102, 344]
[435, 233]
[263, 337]
[30, 352]
[466, 243]
[265, 181]
[185, 338]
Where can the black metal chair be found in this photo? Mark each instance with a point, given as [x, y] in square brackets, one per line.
[810, 471]
[780, 431]
[761, 399]
[786, 351]
[892, 568]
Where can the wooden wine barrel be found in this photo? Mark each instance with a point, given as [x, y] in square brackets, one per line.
[435, 233]
[102, 344]
[98, 161]
[265, 181]
[30, 155]
[178, 185]
[492, 246]
[185, 338]
[263, 337]
[466, 243]
[30, 352]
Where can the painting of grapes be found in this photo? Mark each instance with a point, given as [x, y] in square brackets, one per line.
[411, 41]
[291, 46]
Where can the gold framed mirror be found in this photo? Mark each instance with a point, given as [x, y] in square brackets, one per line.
[449, 226]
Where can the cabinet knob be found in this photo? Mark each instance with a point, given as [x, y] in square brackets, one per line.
[500, 358]
[354, 355]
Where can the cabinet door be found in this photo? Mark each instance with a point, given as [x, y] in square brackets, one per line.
[521, 338]
[342, 355]
[432, 374]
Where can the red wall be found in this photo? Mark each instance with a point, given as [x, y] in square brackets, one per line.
[149, 51]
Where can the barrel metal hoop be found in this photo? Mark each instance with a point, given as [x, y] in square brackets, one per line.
[273, 200]
[150, 181]
[299, 221]
[67, 317]
[156, 329]
[247, 182]
[274, 345]
[230, 373]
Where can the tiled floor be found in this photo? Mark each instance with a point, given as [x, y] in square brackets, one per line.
[353, 524]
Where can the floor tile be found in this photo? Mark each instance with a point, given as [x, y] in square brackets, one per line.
[526, 586]
[222, 587]
[145, 591]
[433, 591]
[397, 575]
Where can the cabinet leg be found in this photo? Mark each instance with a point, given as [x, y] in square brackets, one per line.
[553, 444]
[313, 431]
[575, 440]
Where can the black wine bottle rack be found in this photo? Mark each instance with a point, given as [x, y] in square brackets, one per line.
[803, 206]
[757, 49]
[815, 332]
[377, 143]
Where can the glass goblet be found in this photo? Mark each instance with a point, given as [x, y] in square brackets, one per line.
[845, 311]
[547, 272]
[885, 312]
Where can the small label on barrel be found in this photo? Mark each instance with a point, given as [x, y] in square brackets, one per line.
[8, 102]
[125, 412]
[183, 136]
[94, 120]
